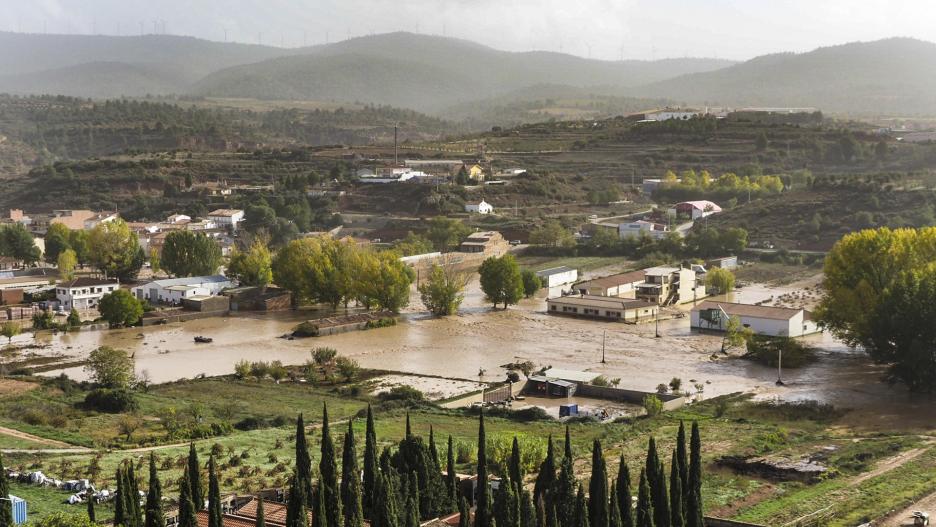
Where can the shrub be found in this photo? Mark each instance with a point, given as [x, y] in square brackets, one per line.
[653, 405]
[766, 351]
[111, 401]
[404, 393]
[380, 323]
[306, 329]
[674, 384]
[662, 388]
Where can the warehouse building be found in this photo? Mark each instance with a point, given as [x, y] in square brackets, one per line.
[770, 321]
[557, 276]
[602, 308]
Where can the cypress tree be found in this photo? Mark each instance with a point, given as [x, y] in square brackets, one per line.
[411, 517]
[598, 489]
[214, 495]
[568, 444]
[186, 506]
[515, 465]
[483, 506]
[133, 497]
[451, 482]
[652, 464]
[320, 511]
[296, 511]
[541, 513]
[433, 451]
[328, 476]
[6, 511]
[464, 513]
[546, 478]
[120, 514]
[194, 478]
[564, 494]
[644, 516]
[351, 481]
[505, 510]
[581, 508]
[614, 511]
[385, 500]
[91, 514]
[303, 464]
[409, 429]
[624, 502]
[682, 458]
[261, 519]
[694, 511]
[369, 486]
[660, 496]
[677, 508]
[435, 484]
[527, 514]
[695, 462]
[154, 512]
[552, 517]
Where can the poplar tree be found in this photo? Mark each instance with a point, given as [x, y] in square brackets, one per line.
[451, 481]
[303, 464]
[515, 466]
[186, 506]
[214, 495]
[624, 502]
[154, 511]
[369, 487]
[194, 477]
[677, 508]
[644, 516]
[598, 489]
[328, 476]
[351, 481]
[483, 506]
[581, 509]
[261, 520]
[614, 511]
[546, 477]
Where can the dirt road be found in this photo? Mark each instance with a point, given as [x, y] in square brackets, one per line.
[58, 445]
[902, 518]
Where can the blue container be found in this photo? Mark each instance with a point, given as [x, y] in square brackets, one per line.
[19, 510]
[568, 410]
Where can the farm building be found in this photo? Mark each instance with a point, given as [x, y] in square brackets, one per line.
[727, 262]
[602, 308]
[621, 285]
[695, 209]
[549, 387]
[479, 207]
[175, 290]
[557, 276]
[636, 229]
[763, 320]
[487, 242]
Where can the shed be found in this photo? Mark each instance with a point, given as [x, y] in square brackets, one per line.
[557, 276]
[19, 509]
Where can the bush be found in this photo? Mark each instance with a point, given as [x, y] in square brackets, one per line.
[380, 323]
[404, 393]
[111, 401]
[766, 351]
[306, 329]
[653, 405]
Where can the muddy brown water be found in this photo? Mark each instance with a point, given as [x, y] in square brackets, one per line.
[482, 338]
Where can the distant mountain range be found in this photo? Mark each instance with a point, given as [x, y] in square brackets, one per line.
[446, 76]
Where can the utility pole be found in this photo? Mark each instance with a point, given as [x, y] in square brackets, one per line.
[779, 366]
[396, 155]
[604, 336]
[657, 322]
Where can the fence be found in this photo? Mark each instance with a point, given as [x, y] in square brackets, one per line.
[497, 395]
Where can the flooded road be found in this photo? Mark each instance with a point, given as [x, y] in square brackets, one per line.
[482, 338]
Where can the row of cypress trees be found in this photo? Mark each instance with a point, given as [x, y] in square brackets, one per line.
[404, 486]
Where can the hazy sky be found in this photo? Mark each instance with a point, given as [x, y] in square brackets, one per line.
[607, 29]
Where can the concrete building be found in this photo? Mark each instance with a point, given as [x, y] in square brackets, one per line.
[84, 293]
[695, 209]
[638, 228]
[226, 218]
[726, 262]
[175, 290]
[558, 276]
[667, 114]
[77, 220]
[602, 308]
[488, 242]
[621, 285]
[670, 285]
[763, 320]
[479, 207]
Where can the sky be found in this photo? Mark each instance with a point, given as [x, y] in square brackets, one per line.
[601, 29]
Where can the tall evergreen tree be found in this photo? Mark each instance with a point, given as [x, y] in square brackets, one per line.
[328, 476]
[433, 451]
[527, 513]
[303, 464]
[541, 513]
[214, 495]
[581, 508]
[682, 458]
[296, 511]
[409, 428]
[652, 465]
[154, 511]
[483, 506]
[552, 517]
[598, 489]
[623, 484]
[660, 496]
[515, 464]
[694, 516]
[133, 497]
[695, 461]
[435, 484]
[261, 517]
[568, 444]
[677, 508]
[369, 483]
[564, 493]
[506, 513]
[411, 514]
[194, 478]
[92, 516]
[464, 513]
[186, 505]
[351, 481]
[320, 511]
[451, 480]
[120, 512]
[546, 477]
[614, 511]
[385, 503]
[6, 511]
[644, 515]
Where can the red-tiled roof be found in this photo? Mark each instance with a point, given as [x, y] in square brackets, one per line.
[229, 520]
[273, 513]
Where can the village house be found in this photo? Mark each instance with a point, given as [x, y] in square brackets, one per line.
[670, 285]
[638, 228]
[557, 276]
[81, 219]
[695, 209]
[479, 207]
[763, 320]
[175, 290]
[602, 308]
[83, 293]
[226, 218]
[621, 285]
[475, 173]
[490, 243]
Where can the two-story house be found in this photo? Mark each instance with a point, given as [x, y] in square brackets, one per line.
[84, 293]
[670, 285]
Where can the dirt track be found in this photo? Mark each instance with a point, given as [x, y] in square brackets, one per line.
[36, 439]
[902, 518]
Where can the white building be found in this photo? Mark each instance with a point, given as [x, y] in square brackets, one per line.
[639, 228]
[695, 209]
[226, 217]
[178, 218]
[763, 320]
[480, 207]
[558, 276]
[83, 293]
[174, 290]
[667, 114]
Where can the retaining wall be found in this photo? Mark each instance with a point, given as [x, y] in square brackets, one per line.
[670, 401]
[711, 521]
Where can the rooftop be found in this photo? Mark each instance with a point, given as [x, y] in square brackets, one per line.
[554, 270]
[751, 310]
[87, 282]
[614, 280]
[570, 375]
[225, 212]
[661, 271]
[190, 280]
[607, 302]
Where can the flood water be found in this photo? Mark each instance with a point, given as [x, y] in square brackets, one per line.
[481, 338]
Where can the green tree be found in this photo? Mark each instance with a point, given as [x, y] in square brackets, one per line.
[17, 242]
[63, 519]
[761, 142]
[413, 244]
[682, 459]
[451, 480]
[501, 280]
[193, 469]
[6, 511]
[445, 233]
[564, 489]
[74, 319]
[598, 497]
[552, 234]
[531, 283]
[115, 250]
[189, 253]
[57, 239]
[483, 515]
[303, 464]
[253, 267]
[694, 511]
[614, 510]
[78, 241]
[351, 481]
[120, 308]
[261, 517]
[296, 511]
[546, 477]
[154, 511]
[214, 495]
[187, 508]
[91, 514]
[580, 514]
[9, 330]
[623, 497]
[385, 281]
[110, 368]
[656, 478]
[515, 464]
[677, 507]
[66, 263]
[443, 292]
[719, 281]
[644, 515]
[328, 476]
[370, 473]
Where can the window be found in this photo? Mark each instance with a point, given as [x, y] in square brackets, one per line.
[552, 308]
